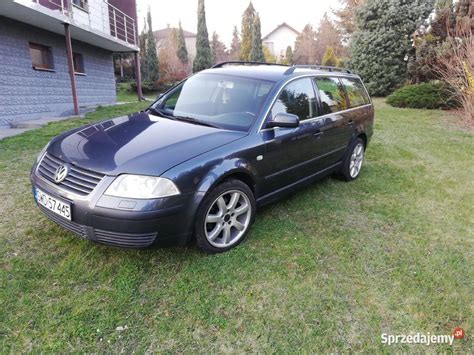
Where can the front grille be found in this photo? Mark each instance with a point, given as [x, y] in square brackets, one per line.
[69, 225]
[79, 181]
[124, 240]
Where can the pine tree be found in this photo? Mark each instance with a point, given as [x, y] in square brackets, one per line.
[289, 56]
[381, 44]
[182, 51]
[346, 17]
[328, 35]
[203, 58]
[305, 46]
[248, 19]
[330, 58]
[152, 57]
[256, 53]
[218, 49]
[234, 53]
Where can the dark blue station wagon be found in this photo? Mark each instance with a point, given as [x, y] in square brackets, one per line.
[196, 164]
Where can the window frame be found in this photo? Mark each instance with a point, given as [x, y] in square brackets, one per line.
[262, 125]
[316, 102]
[81, 68]
[349, 105]
[344, 94]
[83, 5]
[47, 56]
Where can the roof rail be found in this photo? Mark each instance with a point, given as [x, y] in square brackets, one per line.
[242, 62]
[292, 69]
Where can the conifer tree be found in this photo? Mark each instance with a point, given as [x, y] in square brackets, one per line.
[289, 56]
[234, 53]
[203, 58]
[152, 56]
[380, 46]
[256, 53]
[248, 19]
[182, 51]
[330, 58]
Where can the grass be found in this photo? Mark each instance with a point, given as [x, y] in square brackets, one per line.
[124, 94]
[330, 268]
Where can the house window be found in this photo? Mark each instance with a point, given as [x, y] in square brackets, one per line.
[41, 57]
[78, 63]
[82, 4]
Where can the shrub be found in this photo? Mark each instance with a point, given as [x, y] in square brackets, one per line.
[434, 95]
[147, 87]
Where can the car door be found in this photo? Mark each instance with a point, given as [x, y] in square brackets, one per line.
[290, 151]
[334, 124]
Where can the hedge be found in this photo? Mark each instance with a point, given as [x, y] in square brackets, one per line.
[435, 95]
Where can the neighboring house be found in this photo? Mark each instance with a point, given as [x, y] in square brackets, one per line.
[189, 37]
[279, 39]
[56, 55]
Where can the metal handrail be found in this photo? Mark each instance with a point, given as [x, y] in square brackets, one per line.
[114, 21]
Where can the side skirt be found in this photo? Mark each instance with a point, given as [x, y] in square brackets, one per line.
[286, 190]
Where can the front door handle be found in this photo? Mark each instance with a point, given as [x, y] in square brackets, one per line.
[317, 134]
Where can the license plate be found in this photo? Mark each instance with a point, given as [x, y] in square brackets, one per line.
[53, 204]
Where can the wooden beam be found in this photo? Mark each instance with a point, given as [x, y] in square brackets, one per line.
[138, 76]
[70, 63]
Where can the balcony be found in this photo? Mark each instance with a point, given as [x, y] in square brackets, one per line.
[97, 15]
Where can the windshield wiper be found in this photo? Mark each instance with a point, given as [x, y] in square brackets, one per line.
[159, 112]
[194, 121]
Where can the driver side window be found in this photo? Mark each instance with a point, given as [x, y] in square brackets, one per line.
[297, 98]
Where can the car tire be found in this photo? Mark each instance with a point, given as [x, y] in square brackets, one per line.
[224, 217]
[353, 161]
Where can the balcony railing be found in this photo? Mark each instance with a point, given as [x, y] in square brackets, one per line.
[122, 26]
[110, 20]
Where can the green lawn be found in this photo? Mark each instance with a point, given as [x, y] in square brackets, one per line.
[329, 269]
[124, 94]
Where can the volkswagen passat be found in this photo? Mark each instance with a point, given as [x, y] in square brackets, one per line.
[199, 160]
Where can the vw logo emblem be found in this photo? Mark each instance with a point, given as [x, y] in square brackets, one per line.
[61, 173]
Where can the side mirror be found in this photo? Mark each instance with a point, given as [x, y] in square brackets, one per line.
[284, 120]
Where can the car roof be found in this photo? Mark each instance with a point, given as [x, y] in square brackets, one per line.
[273, 72]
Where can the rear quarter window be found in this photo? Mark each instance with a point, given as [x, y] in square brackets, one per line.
[331, 94]
[355, 92]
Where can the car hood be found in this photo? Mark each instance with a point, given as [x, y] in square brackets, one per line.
[139, 144]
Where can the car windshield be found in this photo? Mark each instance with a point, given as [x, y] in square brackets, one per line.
[223, 101]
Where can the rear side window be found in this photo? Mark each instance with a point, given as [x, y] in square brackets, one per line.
[297, 98]
[355, 92]
[331, 93]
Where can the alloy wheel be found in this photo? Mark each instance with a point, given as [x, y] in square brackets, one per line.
[357, 158]
[228, 219]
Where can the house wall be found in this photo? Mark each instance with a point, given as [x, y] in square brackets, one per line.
[191, 47]
[97, 16]
[280, 40]
[26, 93]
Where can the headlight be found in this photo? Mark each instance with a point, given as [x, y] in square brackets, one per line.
[40, 155]
[141, 187]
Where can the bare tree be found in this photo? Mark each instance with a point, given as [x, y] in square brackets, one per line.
[456, 67]
[171, 67]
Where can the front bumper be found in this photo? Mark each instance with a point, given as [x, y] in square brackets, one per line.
[122, 222]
